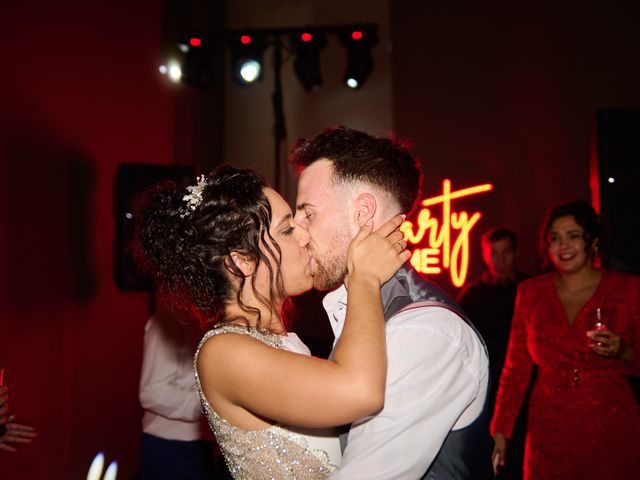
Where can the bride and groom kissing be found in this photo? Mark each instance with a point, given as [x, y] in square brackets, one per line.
[408, 373]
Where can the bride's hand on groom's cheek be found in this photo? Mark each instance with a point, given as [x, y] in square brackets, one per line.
[379, 253]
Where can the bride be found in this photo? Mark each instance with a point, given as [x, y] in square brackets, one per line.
[230, 251]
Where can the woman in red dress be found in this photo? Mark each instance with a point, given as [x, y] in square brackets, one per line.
[584, 420]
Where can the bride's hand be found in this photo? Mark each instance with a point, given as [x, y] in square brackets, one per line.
[378, 254]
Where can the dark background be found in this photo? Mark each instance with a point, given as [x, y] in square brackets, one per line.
[493, 93]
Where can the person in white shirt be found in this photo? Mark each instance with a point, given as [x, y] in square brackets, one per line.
[176, 442]
[434, 423]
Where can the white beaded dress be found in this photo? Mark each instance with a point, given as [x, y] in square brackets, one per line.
[278, 452]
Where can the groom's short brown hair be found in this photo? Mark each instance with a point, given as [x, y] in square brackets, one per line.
[385, 163]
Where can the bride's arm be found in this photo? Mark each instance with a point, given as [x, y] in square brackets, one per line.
[308, 391]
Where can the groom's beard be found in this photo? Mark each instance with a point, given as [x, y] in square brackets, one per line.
[331, 266]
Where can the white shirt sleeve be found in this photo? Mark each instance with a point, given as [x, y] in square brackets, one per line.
[167, 383]
[437, 368]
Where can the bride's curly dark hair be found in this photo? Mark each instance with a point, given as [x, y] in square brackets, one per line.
[187, 252]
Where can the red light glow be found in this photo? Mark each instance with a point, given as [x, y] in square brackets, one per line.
[357, 35]
[442, 248]
[245, 39]
[306, 37]
[195, 42]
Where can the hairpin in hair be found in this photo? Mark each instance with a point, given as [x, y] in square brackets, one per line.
[194, 198]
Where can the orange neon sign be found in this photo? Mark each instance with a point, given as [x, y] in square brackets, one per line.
[454, 257]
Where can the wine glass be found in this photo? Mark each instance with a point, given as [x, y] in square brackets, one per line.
[597, 322]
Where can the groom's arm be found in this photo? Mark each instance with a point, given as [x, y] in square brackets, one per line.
[432, 378]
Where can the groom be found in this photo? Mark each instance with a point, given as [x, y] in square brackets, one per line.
[434, 421]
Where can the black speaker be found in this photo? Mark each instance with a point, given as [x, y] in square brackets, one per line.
[132, 179]
[615, 181]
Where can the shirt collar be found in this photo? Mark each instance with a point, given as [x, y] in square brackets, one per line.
[404, 286]
[335, 304]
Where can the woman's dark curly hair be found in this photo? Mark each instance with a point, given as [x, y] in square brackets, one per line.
[187, 252]
[585, 216]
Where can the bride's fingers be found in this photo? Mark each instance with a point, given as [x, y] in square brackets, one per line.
[364, 232]
[390, 226]
[395, 236]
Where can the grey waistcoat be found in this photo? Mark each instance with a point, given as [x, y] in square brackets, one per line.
[465, 453]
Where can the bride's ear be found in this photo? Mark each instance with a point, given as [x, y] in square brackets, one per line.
[242, 262]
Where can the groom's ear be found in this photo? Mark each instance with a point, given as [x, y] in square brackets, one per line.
[365, 209]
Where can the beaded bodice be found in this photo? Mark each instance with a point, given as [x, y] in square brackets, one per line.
[273, 453]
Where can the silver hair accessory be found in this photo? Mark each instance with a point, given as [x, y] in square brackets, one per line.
[194, 198]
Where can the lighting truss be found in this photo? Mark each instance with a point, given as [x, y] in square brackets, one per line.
[247, 48]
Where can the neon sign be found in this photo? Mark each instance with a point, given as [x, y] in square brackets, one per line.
[442, 248]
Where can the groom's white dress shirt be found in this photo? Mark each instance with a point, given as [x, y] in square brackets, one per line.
[436, 382]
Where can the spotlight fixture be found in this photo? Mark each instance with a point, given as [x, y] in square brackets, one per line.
[175, 72]
[246, 52]
[196, 65]
[171, 70]
[358, 43]
[307, 46]
[246, 49]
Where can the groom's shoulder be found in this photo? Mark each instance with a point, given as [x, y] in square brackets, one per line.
[422, 331]
[429, 318]
[431, 315]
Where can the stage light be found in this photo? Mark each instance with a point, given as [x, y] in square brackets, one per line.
[246, 49]
[196, 64]
[246, 53]
[359, 60]
[175, 72]
[250, 71]
[352, 82]
[172, 70]
[96, 467]
[112, 472]
[307, 46]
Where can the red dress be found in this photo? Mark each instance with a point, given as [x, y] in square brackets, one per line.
[584, 420]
